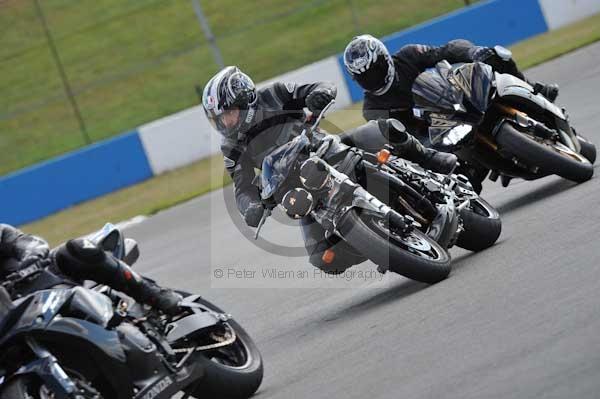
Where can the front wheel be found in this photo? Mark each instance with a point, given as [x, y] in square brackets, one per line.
[588, 149]
[413, 255]
[234, 371]
[481, 224]
[31, 387]
[552, 158]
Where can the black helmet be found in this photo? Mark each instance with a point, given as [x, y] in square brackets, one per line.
[229, 88]
[370, 64]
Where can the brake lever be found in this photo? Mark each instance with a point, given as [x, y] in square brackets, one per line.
[263, 219]
[447, 178]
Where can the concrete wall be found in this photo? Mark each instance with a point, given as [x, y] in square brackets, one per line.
[178, 140]
[186, 136]
[563, 12]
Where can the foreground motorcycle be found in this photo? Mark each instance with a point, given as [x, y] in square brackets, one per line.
[63, 340]
[399, 215]
[497, 122]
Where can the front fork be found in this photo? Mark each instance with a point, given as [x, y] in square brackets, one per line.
[49, 371]
[566, 136]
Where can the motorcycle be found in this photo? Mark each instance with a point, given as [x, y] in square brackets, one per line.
[60, 339]
[496, 122]
[399, 215]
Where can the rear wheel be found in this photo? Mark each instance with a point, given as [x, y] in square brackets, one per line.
[550, 157]
[234, 371]
[482, 226]
[413, 254]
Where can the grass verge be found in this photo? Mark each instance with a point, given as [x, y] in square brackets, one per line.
[130, 62]
[200, 177]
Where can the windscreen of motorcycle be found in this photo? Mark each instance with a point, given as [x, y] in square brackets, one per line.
[277, 166]
[452, 95]
[475, 80]
[432, 90]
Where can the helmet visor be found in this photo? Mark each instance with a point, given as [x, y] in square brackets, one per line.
[218, 121]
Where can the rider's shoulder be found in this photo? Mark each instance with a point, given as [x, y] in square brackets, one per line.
[280, 89]
[412, 49]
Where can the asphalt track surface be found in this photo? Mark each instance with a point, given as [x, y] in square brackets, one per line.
[519, 320]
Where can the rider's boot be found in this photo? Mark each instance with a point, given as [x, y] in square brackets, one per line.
[408, 147]
[83, 260]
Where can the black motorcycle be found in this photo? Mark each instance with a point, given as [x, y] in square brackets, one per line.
[59, 339]
[497, 122]
[397, 214]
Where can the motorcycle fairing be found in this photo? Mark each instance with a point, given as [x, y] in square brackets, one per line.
[442, 95]
[476, 80]
[39, 316]
[432, 90]
[508, 85]
[277, 165]
[90, 305]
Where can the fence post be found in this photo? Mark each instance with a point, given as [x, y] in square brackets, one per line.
[354, 17]
[208, 33]
[62, 73]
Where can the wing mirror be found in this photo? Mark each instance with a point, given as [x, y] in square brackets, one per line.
[132, 251]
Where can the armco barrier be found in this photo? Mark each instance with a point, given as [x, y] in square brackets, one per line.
[487, 24]
[48, 187]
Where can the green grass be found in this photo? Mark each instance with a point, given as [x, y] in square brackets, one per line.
[130, 62]
[553, 44]
[188, 182]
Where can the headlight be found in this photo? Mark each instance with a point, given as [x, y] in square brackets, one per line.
[456, 134]
[297, 203]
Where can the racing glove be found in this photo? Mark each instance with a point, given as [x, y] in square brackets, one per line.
[318, 99]
[253, 214]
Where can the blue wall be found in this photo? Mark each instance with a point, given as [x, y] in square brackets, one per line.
[487, 24]
[48, 187]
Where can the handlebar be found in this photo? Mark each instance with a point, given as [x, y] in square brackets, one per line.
[309, 133]
[270, 205]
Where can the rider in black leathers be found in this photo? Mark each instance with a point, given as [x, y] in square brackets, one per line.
[80, 259]
[254, 122]
[387, 80]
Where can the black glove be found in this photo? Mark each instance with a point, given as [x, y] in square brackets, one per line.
[499, 58]
[254, 213]
[318, 99]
